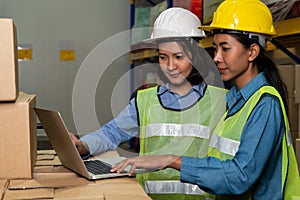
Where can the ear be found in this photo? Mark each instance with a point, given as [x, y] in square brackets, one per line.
[253, 51]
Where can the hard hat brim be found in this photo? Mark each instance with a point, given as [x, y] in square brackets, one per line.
[155, 40]
[209, 28]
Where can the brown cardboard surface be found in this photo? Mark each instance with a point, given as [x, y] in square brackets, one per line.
[289, 77]
[124, 180]
[9, 80]
[46, 152]
[297, 84]
[49, 183]
[287, 73]
[43, 169]
[293, 114]
[58, 182]
[3, 186]
[125, 197]
[18, 142]
[55, 161]
[53, 172]
[47, 176]
[40, 193]
[61, 169]
[45, 157]
[97, 191]
[48, 166]
[294, 135]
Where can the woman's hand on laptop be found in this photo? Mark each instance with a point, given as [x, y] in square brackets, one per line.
[154, 162]
[80, 145]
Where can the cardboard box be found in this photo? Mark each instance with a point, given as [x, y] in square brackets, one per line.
[294, 114]
[291, 79]
[294, 136]
[75, 188]
[92, 191]
[54, 183]
[37, 193]
[125, 197]
[287, 73]
[9, 80]
[18, 145]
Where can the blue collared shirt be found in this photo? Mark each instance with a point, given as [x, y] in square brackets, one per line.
[257, 164]
[125, 125]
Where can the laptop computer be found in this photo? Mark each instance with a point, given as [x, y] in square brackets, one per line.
[67, 153]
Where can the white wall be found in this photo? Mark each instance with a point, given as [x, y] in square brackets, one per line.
[49, 25]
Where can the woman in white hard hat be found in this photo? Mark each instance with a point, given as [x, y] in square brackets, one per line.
[176, 117]
[251, 155]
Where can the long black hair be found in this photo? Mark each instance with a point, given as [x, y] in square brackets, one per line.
[267, 65]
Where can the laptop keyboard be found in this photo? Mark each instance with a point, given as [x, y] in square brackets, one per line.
[97, 167]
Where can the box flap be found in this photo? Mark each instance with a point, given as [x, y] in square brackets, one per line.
[24, 97]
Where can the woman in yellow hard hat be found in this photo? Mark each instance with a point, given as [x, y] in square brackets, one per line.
[177, 117]
[251, 155]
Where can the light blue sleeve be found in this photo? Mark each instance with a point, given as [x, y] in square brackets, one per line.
[118, 130]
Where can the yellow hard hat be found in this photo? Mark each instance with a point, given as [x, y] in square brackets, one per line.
[243, 15]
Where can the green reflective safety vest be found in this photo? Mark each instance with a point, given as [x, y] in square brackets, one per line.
[225, 143]
[178, 132]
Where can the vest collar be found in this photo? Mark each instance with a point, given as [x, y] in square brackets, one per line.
[235, 95]
[200, 88]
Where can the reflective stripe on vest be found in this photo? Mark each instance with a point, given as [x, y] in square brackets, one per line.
[224, 145]
[171, 187]
[224, 135]
[177, 130]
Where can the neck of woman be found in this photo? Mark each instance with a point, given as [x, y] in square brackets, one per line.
[181, 89]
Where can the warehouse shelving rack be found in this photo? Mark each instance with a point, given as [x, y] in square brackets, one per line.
[288, 35]
[140, 51]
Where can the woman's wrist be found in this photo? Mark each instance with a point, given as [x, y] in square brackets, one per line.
[82, 148]
[176, 162]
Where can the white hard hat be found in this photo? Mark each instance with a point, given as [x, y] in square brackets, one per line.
[176, 22]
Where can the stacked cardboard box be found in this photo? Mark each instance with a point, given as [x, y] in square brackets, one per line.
[8, 61]
[291, 76]
[53, 181]
[17, 117]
